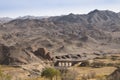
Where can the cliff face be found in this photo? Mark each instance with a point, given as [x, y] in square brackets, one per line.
[17, 55]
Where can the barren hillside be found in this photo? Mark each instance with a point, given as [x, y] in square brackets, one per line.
[95, 32]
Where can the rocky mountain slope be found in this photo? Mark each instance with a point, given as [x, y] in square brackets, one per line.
[95, 32]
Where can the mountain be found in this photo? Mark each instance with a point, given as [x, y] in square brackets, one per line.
[5, 19]
[32, 17]
[119, 14]
[95, 32]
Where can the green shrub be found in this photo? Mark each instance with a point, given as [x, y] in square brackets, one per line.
[50, 73]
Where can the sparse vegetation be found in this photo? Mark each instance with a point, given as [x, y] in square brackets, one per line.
[4, 76]
[113, 58]
[85, 64]
[67, 74]
[98, 64]
[89, 75]
[50, 73]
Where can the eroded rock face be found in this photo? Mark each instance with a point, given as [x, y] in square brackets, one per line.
[4, 53]
[15, 55]
[48, 56]
[43, 53]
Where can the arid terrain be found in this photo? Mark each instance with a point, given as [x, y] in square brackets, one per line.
[29, 42]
